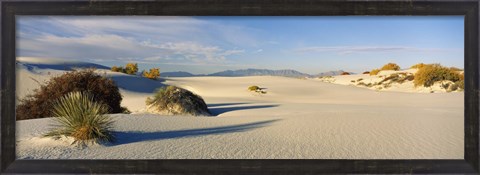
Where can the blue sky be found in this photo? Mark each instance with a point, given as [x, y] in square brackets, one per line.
[210, 44]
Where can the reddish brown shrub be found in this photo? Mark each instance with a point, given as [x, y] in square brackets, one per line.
[39, 104]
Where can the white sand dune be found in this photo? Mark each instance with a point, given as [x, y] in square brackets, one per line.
[407, 86]
[296, 119]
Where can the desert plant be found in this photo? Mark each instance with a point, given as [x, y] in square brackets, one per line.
[153, 74]
[131, 68]
[366, 72]
[455, 69]
[37, 104]
[117, 69]
[77, 115]
[429, 74]
[175, 100]
[345, 73]
[418, 66]
[374, 72]
[390, 66]
[253, 88]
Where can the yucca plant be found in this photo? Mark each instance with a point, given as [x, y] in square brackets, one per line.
[77, 115]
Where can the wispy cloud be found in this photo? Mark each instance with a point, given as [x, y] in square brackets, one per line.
[258, 51]
[143, 39]
[344, 50]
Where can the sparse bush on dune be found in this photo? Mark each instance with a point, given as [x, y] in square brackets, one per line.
[345, 73]
[374, 71]
[429, 74]
[455, 69]
[253, 88]
[77, 115]
[390, 66]
[173, 100]
[418, 66]
[130, 68]
[366, 72]
[103, 90]
[117, 69]
[153, 74]
[257, 89]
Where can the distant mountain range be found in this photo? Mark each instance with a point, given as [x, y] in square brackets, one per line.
[253, 72]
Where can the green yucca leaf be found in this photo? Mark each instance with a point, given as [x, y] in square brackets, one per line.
[77, 115]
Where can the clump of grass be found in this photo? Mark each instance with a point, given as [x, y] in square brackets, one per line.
[173, 100]
[77, 115]
[374, 71]
[390, 66]
[429, 74]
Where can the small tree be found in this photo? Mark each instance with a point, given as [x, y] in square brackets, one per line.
[153, 74]
[131, 68]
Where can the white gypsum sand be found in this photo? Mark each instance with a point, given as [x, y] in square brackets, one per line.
[295, 119]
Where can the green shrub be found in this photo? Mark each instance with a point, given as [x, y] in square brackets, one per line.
[153, 74]
[131, 68]
[429, 74]
[374, 72]
[177, 101]
[37, 105]
[390, 66]
[253, 88]
[77, 115]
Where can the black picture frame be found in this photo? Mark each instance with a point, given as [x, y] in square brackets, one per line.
[467, 8]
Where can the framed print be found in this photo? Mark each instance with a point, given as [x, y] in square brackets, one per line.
[235, 87]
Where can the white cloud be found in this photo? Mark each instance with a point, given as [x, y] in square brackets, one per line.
[146, 38]
[258, 51]
[360, 49]
[114, 47]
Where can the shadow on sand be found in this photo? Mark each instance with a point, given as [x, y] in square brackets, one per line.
[132, 137]
[220, 110]
[224, 104]
[137, 83]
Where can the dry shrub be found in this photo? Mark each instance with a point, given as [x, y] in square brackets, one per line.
[37, 105]
[374, 71]
[345, 73]
[429, 74]
[253, 88]
[153, 74]
[390, 66]
[177, 101]
[366, 72]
